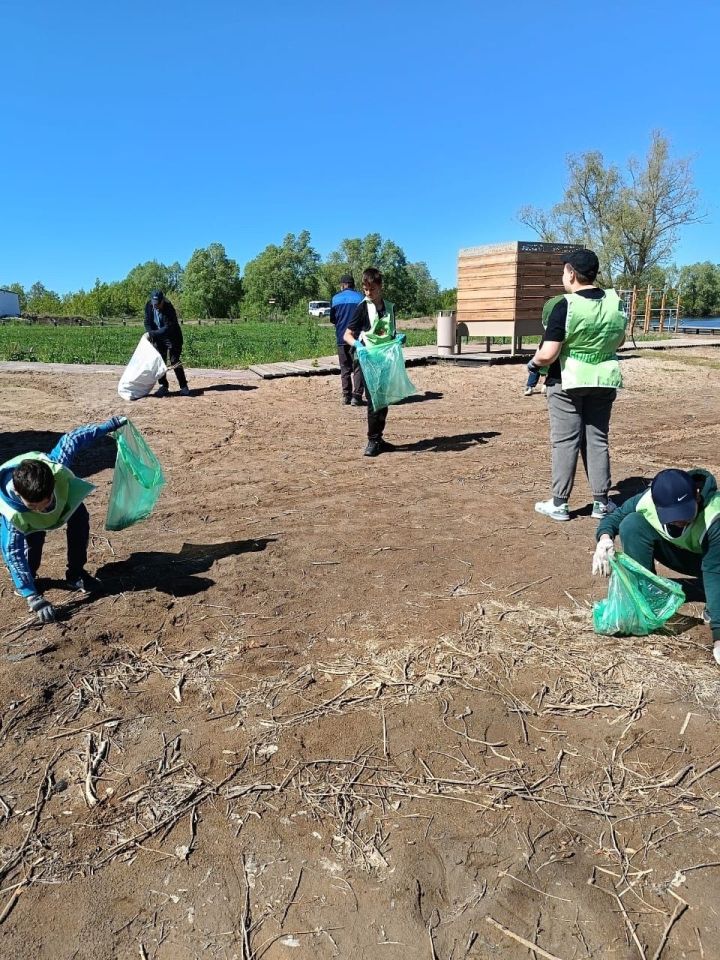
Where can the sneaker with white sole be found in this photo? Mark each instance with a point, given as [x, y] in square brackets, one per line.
[548, 509]
[528, 392]
[716, 651]
[601, 510]
[706, 617]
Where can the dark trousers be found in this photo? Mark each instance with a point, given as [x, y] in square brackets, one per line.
[351, 378]
[170, 352]
[77, 531]
[376, 421]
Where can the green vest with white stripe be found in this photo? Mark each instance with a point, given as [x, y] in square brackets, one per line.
[593, 331]
[70, 491]
[693, 536]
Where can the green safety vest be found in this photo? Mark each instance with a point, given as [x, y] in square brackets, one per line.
[386, 324]
[70, 491]
[694, 534]
[593, 332]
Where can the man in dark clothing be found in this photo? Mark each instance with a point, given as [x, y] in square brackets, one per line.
[342, 309]
[164, 333]
[373, 307]
[675, 522]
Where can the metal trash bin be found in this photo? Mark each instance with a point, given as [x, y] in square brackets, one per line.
[446, 331]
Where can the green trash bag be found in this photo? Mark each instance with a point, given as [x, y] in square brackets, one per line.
[638, 601]
[382, 329]
[383, 368]
[137, 480]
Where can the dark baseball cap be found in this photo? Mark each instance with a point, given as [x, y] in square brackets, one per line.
[348, 279]
[673, 493]
[584, 262]
[157, 296]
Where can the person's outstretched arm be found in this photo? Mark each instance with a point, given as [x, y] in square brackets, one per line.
[67, 448]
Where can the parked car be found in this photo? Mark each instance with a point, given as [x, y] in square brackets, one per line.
[319, 308]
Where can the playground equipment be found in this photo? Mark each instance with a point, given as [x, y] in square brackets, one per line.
[652, 308]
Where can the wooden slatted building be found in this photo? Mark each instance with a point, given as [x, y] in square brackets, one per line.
[502, 288]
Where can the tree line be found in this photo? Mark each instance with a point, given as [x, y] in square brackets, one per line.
[278, 281]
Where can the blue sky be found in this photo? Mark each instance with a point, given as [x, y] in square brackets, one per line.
[135, 131]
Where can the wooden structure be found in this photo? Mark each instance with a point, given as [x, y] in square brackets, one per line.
[651, 308]
[502, 288]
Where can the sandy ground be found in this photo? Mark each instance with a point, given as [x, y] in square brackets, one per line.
[340, 707]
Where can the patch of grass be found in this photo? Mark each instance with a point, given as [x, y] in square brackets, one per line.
[222, 345]
[671, 356]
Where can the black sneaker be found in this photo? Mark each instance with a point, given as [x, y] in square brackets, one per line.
[162, 392]
[373, 449]
[346, 399]
[357, 402]
[84, 583]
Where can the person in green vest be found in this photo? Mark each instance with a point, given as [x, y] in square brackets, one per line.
[584, 330]
[39, 492]
[676, 523]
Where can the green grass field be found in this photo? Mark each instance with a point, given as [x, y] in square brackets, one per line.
[222, 345]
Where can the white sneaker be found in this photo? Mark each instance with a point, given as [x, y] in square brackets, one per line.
[601, 510]
[706, 617]
[528, 392]
[548, 509]
[543, 389]
[716, 651]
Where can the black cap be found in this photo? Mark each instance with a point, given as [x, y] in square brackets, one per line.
[673, 493]
[584, 262]
[157, 296]
[348, 279]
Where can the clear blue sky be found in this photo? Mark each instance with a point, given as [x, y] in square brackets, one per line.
[135, 131]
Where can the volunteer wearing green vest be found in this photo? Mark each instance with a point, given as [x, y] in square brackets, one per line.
[39, 492]
[675, 522]
[584, 330]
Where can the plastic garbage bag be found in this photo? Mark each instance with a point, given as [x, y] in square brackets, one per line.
[383, 368]
[142, 373]
[137, 480]
[638, 601]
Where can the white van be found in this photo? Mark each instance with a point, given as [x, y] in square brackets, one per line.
[319, 308]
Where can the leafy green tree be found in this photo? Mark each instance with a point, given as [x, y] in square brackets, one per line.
[446, 299]
[149, 276]
[408, 286]
[700, 289]
[211, 285]
[43, 301]
[426, 290]
[631, 219]
[287, 274]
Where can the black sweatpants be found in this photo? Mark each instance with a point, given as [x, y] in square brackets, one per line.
[170, 352]
[77, 532]
[351, 377]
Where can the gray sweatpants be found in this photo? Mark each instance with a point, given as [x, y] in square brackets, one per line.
[580, 423]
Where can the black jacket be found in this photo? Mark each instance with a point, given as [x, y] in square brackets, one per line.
[170, 331]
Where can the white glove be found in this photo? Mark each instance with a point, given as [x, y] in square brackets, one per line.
[601, 558]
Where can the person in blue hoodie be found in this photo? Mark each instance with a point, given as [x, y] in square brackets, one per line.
[342, 308]
[39, 492]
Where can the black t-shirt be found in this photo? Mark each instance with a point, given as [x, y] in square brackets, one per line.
[557, 320]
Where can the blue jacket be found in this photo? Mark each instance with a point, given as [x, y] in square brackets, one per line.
[341, 310]
[12, 541]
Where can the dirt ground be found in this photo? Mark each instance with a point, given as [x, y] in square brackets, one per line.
[330, 706]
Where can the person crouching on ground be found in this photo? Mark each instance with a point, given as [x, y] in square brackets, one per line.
[373, 307]
[342, 308]
[38, 493]
[165, 334]
[584, 331]
[675, 522]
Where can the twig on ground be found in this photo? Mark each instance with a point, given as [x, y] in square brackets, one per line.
[518, 939]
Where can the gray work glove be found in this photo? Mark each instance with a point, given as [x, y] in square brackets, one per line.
[42, 608]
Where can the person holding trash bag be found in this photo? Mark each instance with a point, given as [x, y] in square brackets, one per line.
[675, 522]
[163, 330]
[584, 330]
[342, 308]
[39, 492]
[373, 308]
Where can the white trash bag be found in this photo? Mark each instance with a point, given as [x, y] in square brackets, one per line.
[143, 372]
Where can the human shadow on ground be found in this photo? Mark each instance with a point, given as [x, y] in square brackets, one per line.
[630, 487]
[458, 442]
[421, 397]
[173, 573]
[92, 459]
[221, 388]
